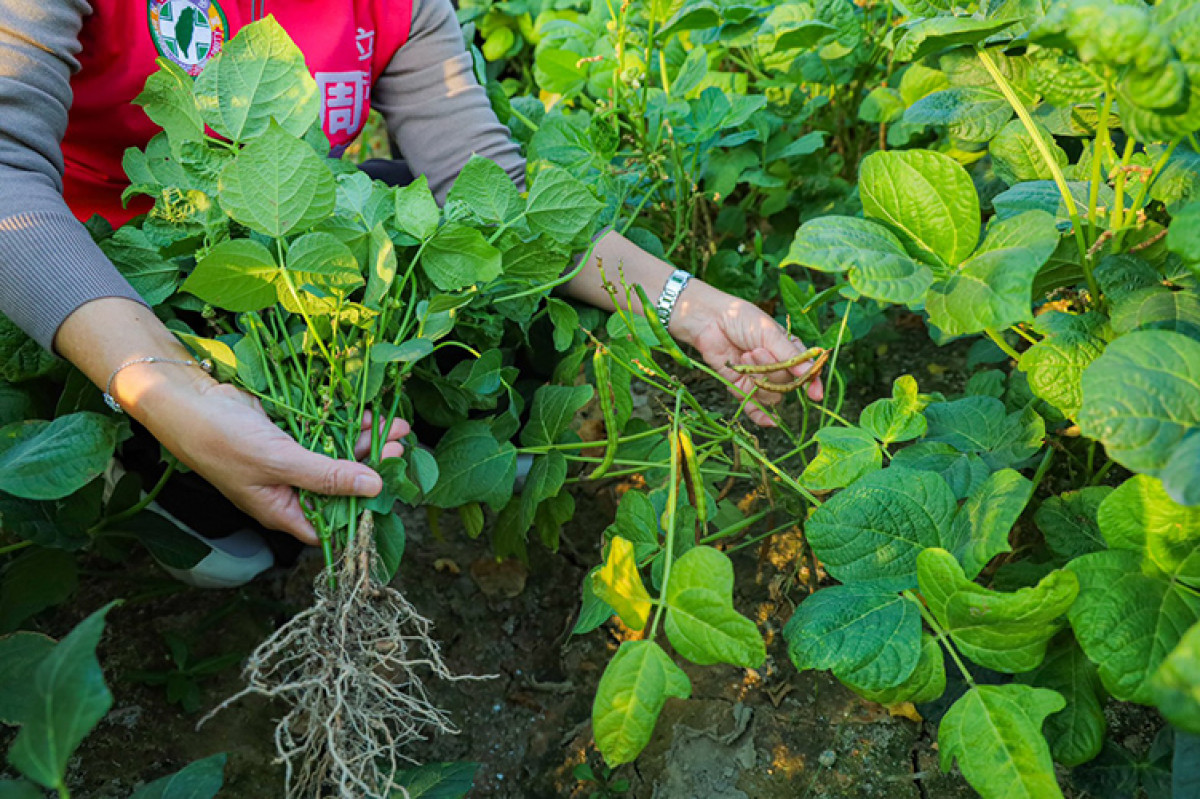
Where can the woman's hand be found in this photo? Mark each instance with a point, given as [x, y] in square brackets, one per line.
[727, 330]
[223, 434]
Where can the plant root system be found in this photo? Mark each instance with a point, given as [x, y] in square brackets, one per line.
[350, 669]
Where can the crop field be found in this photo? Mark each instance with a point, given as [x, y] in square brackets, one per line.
[971, 567]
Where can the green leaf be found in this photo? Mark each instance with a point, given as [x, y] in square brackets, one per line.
[49, 460]
[458, 256]
[882, 105]
[1007, 632]
[437, 781]
[981, 425]
[869, 637]
[1183, 236]
[36, 580]
[1140, 516]
[925, 684]
[1141, 398]
[486, 190]
[1157, 308]
[381, 269]
[1069, 521]
[412, 350]
[1176, 684]
[694, 67]
[995, 734]
[171, 546]
[236, 275]
[67, 699]
[1016, 157]
[981, 526]
[390, 540]
[138, 260]
[167, 99]
[1128, 622]
[963, 472]
[927, 36]
[1055, 367]
[692, 15]
[925, 197]
[1179, 475]
[845, 454]
[1076, 732]
[875, 528]
[559, 205]
[533, 261]
[619, 585]
[554, 407]
[1185, 766]
[277, 185]
[259, 78]
[417, 213]
[701, 622]
[993, 289]
[565, 319]
[14, 789]
[973, 114]
[899, 418]
[20, 655]
[875, 260]
[631, 694]
[473, 467]
[199, 780]
[1043, 195]
[321, 261]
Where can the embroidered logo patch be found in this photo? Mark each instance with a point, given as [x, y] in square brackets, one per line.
[189, 32]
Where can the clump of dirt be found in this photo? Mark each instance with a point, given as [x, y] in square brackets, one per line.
[350, 668]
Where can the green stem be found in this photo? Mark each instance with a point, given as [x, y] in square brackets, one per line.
[1043, 147]
[999, 341]
[17, 547]
[1042, 469]
[1117, 218]
[141, 505]
[941, 635]
[1099, 150]
[672, 507]
[590, 444]
[1102, 472]
[1140, 200]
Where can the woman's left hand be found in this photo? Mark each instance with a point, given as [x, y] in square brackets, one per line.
[727, 330]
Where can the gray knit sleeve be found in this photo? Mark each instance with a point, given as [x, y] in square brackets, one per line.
[435, 109]
[49, 265]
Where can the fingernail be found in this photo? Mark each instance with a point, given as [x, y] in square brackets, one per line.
[364, 485]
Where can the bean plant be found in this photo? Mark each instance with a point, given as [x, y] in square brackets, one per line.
[1022, 175]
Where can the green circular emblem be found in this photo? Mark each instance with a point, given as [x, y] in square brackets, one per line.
[189, 32]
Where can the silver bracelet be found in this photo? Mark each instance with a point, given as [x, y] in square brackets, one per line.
[111, 401]
[670, 293]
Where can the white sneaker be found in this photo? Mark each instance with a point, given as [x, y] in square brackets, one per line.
[232, 561]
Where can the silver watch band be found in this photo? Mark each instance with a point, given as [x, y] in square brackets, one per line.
[670, 293]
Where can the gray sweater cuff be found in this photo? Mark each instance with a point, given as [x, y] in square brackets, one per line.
[49, 266]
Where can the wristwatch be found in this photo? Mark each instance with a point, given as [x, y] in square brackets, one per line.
[670, 293]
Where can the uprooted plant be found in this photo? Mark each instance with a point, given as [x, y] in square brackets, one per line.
[325, 294]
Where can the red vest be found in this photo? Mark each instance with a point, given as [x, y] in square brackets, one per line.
[346, 43]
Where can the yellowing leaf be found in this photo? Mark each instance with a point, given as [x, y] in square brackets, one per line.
[619, 583]
[631, 694]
